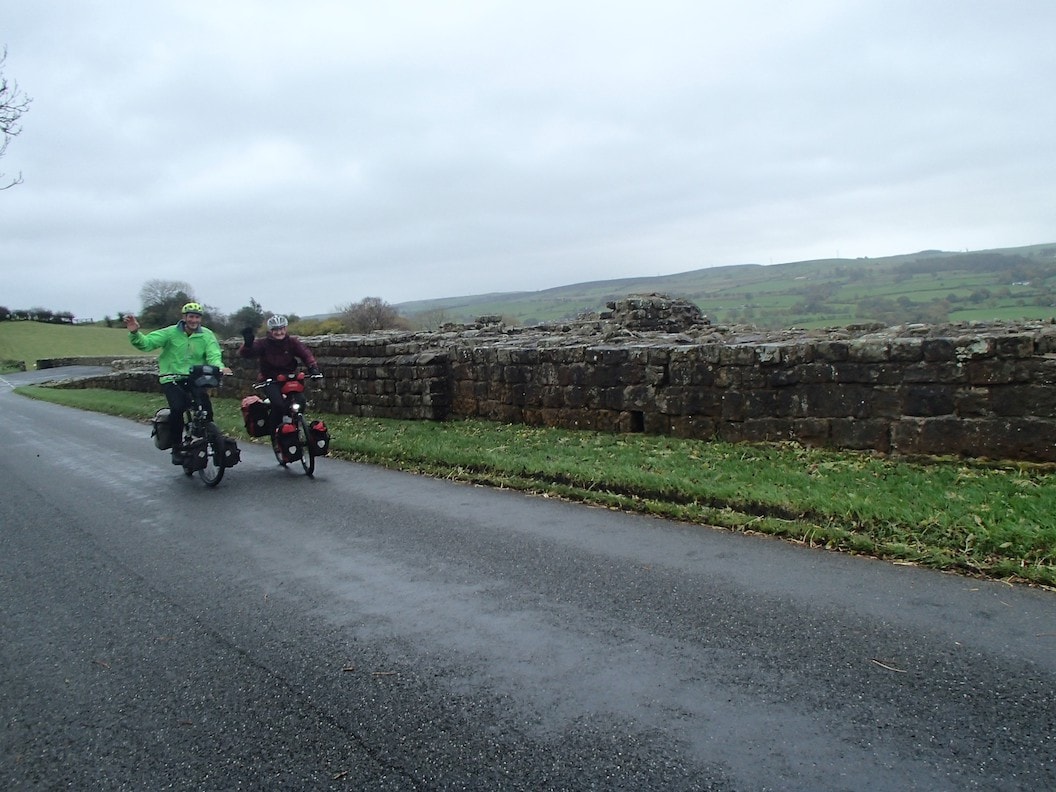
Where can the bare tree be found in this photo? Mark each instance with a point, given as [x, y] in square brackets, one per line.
[13, 103]
[368, 315]
[157, 291]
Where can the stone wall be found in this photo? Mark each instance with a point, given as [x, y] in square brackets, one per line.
[117, 363]
[980, 390]
[983, 396]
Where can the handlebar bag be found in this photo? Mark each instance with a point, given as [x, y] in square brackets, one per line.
[205, 376]
[291, 383]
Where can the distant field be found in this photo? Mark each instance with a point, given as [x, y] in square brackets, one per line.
[1009, 313]
[929, 286]
[32, 341]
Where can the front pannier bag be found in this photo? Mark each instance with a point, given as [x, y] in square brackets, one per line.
[320, 438]
[196, 454]
[228, 451]
[288, 442]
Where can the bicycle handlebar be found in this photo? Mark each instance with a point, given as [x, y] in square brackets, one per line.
[289, 377]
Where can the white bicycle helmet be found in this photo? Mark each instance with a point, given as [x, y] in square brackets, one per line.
[275, 322]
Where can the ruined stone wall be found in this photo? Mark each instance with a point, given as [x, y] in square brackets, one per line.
[980, 396]
[971, 390]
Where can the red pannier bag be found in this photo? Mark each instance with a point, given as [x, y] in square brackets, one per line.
[291, 383]
[319, 437]
[255, 416]
[288, 443]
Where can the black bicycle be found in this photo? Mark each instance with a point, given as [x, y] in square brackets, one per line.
[297, 438]
[205, 450]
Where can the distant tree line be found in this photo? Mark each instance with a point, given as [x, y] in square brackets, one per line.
[162, 302]
[1016, 267]
[35, 315]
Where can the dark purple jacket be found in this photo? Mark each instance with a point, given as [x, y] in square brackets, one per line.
[278, 356]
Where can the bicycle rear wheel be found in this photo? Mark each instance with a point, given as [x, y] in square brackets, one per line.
[214, 468]
[308, 448]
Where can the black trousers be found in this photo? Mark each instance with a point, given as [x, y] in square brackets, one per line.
[179, 399]
[273, 394]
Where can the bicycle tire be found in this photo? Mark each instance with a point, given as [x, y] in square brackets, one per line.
[308, 448]
[276, 450]
[213, 472]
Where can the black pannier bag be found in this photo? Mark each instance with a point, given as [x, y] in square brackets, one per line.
[255, 416]
[288, 443]
[162, 429]
[196, 454]
[319, 437]
[228, 451]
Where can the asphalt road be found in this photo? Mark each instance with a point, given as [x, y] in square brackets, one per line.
[371, 630]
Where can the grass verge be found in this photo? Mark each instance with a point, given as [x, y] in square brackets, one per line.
[991, 520]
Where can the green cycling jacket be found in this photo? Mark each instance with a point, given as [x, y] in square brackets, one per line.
[180, 351]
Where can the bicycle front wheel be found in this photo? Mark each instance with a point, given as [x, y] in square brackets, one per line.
[308, 449]
[213, 471]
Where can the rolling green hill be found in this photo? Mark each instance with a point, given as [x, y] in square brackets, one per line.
[930, 286]
[31, 341]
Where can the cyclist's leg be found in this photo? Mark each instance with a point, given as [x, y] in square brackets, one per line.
[206, 402]
[273, 393]
[178, 401]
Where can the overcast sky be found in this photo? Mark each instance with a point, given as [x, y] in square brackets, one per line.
[311, 154]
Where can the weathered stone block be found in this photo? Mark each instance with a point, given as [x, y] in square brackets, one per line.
[868, 351]
[906, 350]
[831, 351]
[838, 401]
[739, 355]
[693, 426]
[990, 371]
[861, 435]
[928, 400]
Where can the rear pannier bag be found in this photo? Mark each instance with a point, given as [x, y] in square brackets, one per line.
[319, 437]
[162, 429]
[255, 416]
[288, 442]
[196, 454]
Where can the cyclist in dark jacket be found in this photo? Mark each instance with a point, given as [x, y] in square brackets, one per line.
[278, 353]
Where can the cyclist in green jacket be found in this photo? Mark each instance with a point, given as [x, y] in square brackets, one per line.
[183, 345]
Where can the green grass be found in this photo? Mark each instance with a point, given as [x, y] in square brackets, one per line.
[33, 341]
[993, 521]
